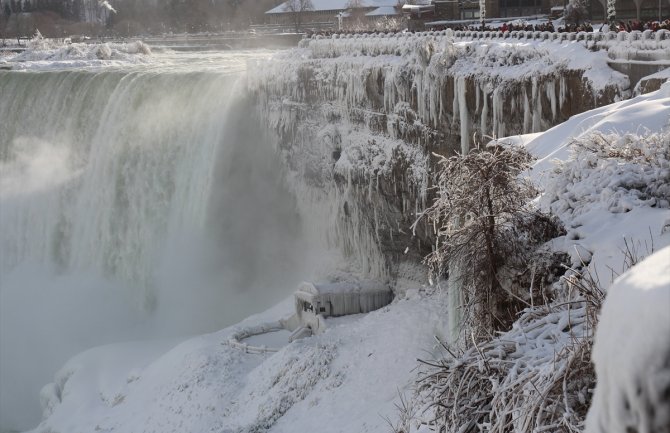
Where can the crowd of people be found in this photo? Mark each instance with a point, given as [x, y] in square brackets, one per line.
[505, 27]
[642, 26]
[548, 26]
[620, 26]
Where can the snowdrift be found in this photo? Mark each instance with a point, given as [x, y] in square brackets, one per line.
[632, 352]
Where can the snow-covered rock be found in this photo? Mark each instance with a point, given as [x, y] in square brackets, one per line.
[632, 352]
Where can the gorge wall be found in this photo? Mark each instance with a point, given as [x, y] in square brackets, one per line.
[357, 117]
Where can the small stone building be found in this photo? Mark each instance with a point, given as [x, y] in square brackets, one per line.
[342, 298]
[314, 302]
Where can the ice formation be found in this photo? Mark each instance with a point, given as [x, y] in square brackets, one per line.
[54, 54]
[361, 114]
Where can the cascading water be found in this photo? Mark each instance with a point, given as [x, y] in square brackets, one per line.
[132, 204]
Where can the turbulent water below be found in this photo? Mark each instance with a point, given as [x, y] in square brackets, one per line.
[137, 200]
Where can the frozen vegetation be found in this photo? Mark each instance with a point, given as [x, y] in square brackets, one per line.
[354, 122]
[49, 54]
[609, 189]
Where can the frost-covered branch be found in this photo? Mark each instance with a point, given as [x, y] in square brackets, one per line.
[486, 231]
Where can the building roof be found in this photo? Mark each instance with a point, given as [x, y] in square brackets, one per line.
[417, 8]
[343, 287]
[336, 5]
[383, 11]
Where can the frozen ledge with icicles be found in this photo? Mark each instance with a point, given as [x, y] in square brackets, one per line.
[653, 46]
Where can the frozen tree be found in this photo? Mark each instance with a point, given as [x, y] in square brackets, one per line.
[576, 11]
[4, 19]
[387, 24]
[297, 8]
[611, 11]
[484, 223]
[482, 12]
[356, 13]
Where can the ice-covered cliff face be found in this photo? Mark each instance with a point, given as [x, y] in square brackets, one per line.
[360, 115]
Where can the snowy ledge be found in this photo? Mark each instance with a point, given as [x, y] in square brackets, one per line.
[631, 43]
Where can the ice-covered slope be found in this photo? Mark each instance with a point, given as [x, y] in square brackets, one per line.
[644, 113]
[346, 379]
[595, 202]
[606, 201]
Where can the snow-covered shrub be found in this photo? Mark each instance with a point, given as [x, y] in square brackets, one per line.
[521, 382]
[617, 171]
[38, 42]
[535, 377]
[538, 376]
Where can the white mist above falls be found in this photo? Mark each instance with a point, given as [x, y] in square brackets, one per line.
[132, 205]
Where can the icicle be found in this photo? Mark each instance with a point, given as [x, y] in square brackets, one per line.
[550, 90]
[463, 115]
[371, 181]
[526, 112]
[537, 106]
[454, 107]
[498, 113]
[485, 110]
[562, 92]
[376, 220]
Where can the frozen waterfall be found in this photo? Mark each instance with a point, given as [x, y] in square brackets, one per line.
[132, 204]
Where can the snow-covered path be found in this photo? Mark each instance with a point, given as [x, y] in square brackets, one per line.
[344, 380]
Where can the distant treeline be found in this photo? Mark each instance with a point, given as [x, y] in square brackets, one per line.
[132, 17]
[73, 9]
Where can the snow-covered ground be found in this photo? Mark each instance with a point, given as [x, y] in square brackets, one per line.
[600, 200]
[51, 54]
[344, 380]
